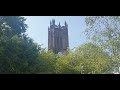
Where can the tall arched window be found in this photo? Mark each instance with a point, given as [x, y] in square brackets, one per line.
[57, 42]
[61, 42]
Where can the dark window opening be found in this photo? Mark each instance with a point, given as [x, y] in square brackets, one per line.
[61, 43]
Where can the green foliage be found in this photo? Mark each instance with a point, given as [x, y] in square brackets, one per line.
[46, 62]
[66, 64]
[12, 25]
[17, 51]
[19, 54]
[105, 31]
[93, 58]
[86, 59]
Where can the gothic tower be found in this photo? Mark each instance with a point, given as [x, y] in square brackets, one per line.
[58, 37]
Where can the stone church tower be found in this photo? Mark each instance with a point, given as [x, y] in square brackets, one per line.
[58, 37]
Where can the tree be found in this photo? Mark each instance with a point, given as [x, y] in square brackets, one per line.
[12, 25]
[105, 31]
[93, 59]
[86, 59]
[18, 52]
[66, 64]
[45, 63]
[17, 55]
